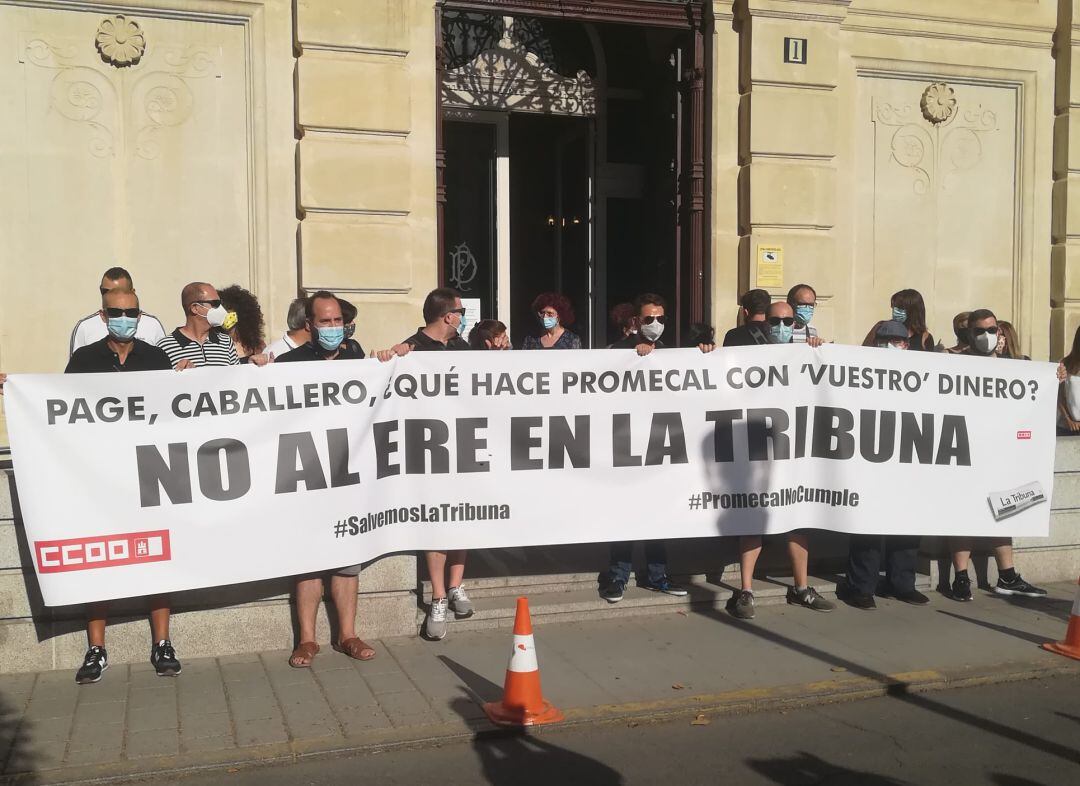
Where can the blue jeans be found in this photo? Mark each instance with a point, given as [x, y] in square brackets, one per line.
[622, 560]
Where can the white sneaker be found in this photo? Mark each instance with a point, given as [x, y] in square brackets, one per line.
[460, 603]
[435, 624]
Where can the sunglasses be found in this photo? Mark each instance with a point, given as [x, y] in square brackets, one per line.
[458, 311]
[211, 303]
[774, 321]
[123, 312]
[979, 331]
[649, 320]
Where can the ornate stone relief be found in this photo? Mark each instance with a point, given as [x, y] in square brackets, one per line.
[120, 41]
[124, 99]
[510, 76]
[938, 138]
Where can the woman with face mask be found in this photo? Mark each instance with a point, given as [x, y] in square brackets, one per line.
[553, 312]
[244, 324]
[907, 308]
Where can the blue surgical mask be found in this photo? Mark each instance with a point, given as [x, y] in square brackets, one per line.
[461, 325]
[781, 333]
[330, 338]
[549, 322]
[899, 314]
[122, 328]
[805, 313]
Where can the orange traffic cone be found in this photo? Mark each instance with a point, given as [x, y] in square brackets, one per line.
[1070, 648]
[522, 704]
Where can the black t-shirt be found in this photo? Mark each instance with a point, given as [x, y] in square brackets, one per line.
[99, 357]
[350, 350]
[748, 335]
[422, 342]
[631, 341]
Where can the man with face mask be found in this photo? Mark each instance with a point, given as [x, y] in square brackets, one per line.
[119, 351]
[650, 320]
[803, 301]
[982, 341]
[444, 324]
[780, 319]
[200, 341]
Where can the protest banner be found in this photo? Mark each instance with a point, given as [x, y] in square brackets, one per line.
[177, 480]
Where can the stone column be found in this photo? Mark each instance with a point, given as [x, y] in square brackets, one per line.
[787, 147]
[1065, 230]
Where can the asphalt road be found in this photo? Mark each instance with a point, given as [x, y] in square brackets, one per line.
[1018, 734]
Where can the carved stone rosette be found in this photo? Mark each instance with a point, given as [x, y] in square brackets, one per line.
[120, 41]
[938, 103]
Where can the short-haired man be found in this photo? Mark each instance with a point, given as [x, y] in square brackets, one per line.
[803, 300]
[753, 306]
[326, 326]
[444, 324]
[780, 321]
[899, 552]
[982, 341]
[90, 328]
[296, 333]
[200, 341]
[121, 350]
[649, 322]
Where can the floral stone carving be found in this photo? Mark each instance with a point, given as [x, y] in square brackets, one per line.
[120, 41]
[938, 103]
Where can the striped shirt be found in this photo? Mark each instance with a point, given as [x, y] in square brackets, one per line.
[217, 350]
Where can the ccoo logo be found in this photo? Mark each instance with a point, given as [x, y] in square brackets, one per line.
[103, 551]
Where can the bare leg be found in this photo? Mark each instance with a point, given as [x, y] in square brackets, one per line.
[1003, 553]
[456, 559]
[309, 591]
[343, 589]
[95, 623]
[799, 552]
[750, 550]
[159, 617]
[436, 566]
[961, 552]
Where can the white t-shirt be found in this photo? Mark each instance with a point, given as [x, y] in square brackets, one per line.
[92, 328]
[1072, 396]
[281, 346]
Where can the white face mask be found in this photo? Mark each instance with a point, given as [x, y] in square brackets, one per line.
[986, 342]
[652, 331]
[216, 316]
[893, 346]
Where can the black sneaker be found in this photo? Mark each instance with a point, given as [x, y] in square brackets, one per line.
[1018, 587]
[741, 604]
[163, 659]
[95, 662]
[961, 589]
[810, 599]
[914, 597]
[613, 591]
[664, 585]
[859, 601]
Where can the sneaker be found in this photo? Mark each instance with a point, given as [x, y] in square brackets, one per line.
[613, 591]
[435, 624]
[961, 589]
[741, 604]
[163, 659]
[1018, 587]
[859, 601]
[914, 597]
[664, 585]
[460, 603]
[94, 663]
[809, 598]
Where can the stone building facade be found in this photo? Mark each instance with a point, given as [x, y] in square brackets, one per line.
[378, 148]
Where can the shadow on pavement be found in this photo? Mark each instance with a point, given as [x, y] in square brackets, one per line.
[1034, 638]
[807, 768]
[1001, 779]
[516, 755]
[16, 755]
[1057, 608]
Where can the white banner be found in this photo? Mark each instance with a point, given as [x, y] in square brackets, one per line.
[168, 481]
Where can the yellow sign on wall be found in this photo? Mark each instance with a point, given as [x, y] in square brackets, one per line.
[770, 267]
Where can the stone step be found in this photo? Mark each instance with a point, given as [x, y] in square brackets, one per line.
[582, 604]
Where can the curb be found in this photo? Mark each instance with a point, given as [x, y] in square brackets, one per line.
[720, 704]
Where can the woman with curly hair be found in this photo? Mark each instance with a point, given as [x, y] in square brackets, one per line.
[553, 311]
[246, 330]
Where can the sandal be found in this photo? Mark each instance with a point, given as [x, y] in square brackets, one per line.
[356, 648]
[304, 653]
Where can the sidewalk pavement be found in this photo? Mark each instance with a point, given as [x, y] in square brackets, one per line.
[255, 707]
